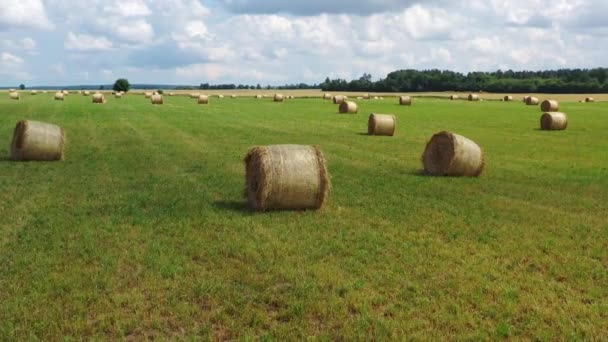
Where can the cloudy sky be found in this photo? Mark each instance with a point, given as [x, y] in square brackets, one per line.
[68, 42]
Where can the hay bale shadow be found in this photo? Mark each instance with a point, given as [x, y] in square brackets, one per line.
[235, 206]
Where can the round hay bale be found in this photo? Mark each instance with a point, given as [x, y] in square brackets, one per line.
[405, 100]
[339, 99]
[45, 92]
[118, 95]
[279, 98]
[366, 96]
[14, 95]
[526, 99]
[66, 93]
[532, 101]
[327, 96]
[99, 98]
[549, 106]
[37, 141]
[171, 94]
[12, 90]
[86, 93]
[473, 97]
[220, 96]
[286, 177]
[233, 96]
[194, 95]
[449, 154]
[157, 99]
[590, 99]
[359, 97]
[203, 99]
[381, 124]
[59, 96]
[454, 97]
[553, 121]
[33, 92]
[348, 107]
[508, 98]
[381, 98]
[258, 96]
[375, 97]
[148, 95]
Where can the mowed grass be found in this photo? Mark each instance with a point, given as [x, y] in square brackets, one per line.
[142, 232]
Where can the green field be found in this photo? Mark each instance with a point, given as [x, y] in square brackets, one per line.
[142, 232]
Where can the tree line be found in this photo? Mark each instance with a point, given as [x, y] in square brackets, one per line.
[570, 81]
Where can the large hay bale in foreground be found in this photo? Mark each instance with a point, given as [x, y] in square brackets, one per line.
[449, 154]
[508, 98]
[339, 99]
[405, 100]
[286, 177]
[473, 97]
[14, 95]
[553, 121]
[381, 124]
[549, 106]
[37, 141]
[203, 99]
[279, 98]
[99, 98]
[532, 101]
[60, 96]
[348, 107]
[590, 99]
[327, 96]
[157, 99]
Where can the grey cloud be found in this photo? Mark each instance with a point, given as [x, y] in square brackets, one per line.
[315, 7]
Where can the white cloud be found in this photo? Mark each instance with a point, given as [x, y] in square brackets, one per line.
[128, 8]
[84, 42]
[23, 13]
[10, 59]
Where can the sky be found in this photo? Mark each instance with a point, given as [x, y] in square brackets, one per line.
[73, 42]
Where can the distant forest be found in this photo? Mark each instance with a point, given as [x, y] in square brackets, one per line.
[564, 81]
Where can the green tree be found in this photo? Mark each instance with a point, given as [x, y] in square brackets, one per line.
[22, 86]
[122, 84]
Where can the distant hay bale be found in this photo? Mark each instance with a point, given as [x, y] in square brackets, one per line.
[37, 141]
[157, 99]
[12, 90]
[45, 92]
[118, 95]
[454, 97]
[233, 96]
[590, 99]
[286, 177]
[258, 96]
[171, 94]
[473, 97]
[359, 97]
[194, 95]
[86, 93]
[59, 96]
[220, 96]
[549, 106]
[203, 99]
[526, 99]
[34, 92]
[405, 100]
[532, 101]
[366, 96]
[508, 98]
[339, 99]
[449, 154]
[148, 95]
[553, 121]
[381, 124]
[375, 97]
[14, 95]
[66, 93]
[327, 96]
[279, 98]
[381, 98]
[99, 98]
[348, 107]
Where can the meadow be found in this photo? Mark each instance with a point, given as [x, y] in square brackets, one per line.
[143, 232]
